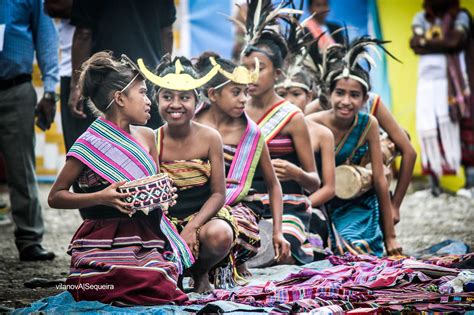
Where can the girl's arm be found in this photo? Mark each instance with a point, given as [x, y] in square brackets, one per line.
[60, 196]
[217, 198]
[312, 107]
[306, 176]
[280, 244]
[328, 162]
[150, 138]
[381, 188]
[408, 153]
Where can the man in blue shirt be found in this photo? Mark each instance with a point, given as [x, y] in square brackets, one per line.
[24, 31]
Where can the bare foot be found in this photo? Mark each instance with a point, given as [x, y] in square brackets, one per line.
[201, 283]
[243, 271]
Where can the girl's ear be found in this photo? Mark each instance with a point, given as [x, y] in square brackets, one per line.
[310, 96]
[211, 95]
[119, 99]
[366, 97]
[278, 73]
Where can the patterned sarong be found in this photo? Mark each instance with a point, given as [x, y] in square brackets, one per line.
[356, 226]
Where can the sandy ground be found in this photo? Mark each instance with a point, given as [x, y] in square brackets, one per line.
[424, 221]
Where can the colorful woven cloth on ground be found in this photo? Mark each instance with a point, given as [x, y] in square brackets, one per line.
[363, 281]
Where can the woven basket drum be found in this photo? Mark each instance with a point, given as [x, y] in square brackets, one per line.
[149, 193]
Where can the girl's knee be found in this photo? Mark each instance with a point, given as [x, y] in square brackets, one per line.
[217, 236]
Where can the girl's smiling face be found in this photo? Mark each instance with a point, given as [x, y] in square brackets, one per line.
[347, 98]
[176, 107]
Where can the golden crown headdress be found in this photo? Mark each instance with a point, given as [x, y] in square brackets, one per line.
[240, 75]
[178, 80]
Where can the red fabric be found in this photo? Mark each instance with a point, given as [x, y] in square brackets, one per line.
[136, 287]
[125, 261]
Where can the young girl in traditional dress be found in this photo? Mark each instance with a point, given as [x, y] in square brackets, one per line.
[192, 155]
[297, 88]
[287, 137]
[356, 222]
[127, 256]
[244, 151]
[387, 122]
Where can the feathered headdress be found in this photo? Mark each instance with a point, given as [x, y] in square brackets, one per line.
[300, 61]
[352, 55]
[260, 15]
[344, 61]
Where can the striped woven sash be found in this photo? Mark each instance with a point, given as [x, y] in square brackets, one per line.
[112, 153]
[116, 156]
[244, 163]
[276, 118]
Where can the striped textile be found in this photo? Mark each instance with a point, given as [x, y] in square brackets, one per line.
[280, 145]
[276, 118]
[128, 253]
[244, 163]
[248, 241]
[353, 283]
[178, 244]
[120, 250]
[356, 222]
[129, 269]
[372, 104]
[244, 159]
[187, 174]
[295, 224]
[112, 153]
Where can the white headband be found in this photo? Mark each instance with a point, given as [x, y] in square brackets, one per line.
[221, 85]
[289, 84]
[353, 77]
[121, 91]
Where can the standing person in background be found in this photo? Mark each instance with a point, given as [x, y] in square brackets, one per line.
[440, 34]
[71, 126]
[138, 29]
[27, 30]
[319, 25]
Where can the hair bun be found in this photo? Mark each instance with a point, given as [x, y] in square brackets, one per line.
[203, 62]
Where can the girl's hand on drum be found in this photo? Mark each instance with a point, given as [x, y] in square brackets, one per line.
[112, 198]
[190, 236]
[281, 247]
[393, 247]
[285, 170]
